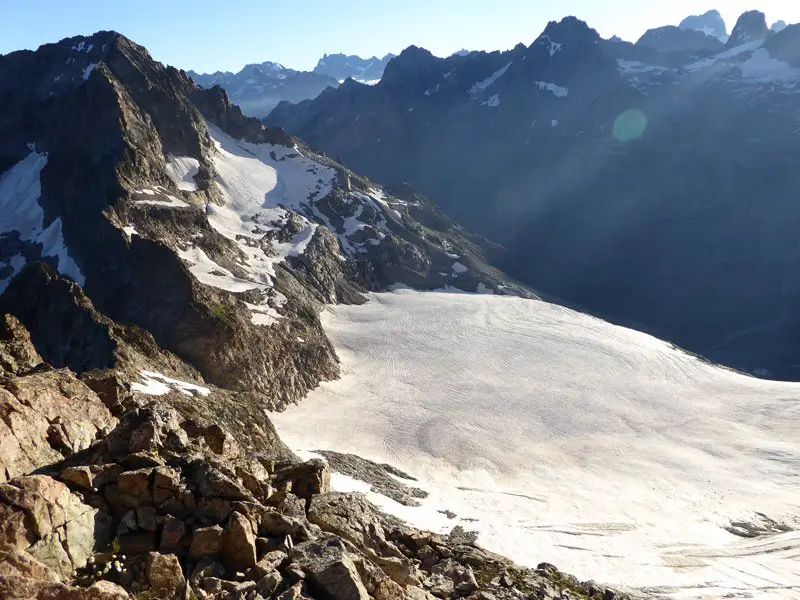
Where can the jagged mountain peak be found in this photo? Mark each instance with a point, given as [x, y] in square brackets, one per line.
[750, 27]
[414, 66]
[341, 66]
[176, 213]
[778, 26]
[710, 23]
[570, 29]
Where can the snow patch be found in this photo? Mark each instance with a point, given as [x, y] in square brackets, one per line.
[459, 268]
[761, 67]
[556, 90]
[605, 450]
[182, 170]
[20, 190]
[480, 86]
[157, 384]
[552, 47]
[207, 272]
[88, 70]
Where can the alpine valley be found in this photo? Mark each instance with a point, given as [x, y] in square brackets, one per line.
[651, 184]
[236, 364]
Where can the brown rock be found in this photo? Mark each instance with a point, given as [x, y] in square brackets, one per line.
[214, 510]
[134, 488]
[272, 561]
[17, 352]
[42, 516]
[165, 575]
[308, 479]
[206, 541]
[166, 482]
[206, 567]
[14, 562]
[211, 482]
[171, 534]
[276, 524]
[219, 441]
[239, 544]
[354, 518]
[268, 583]
[138, 542]
[45, 416]
[146, 518]
[20, 588]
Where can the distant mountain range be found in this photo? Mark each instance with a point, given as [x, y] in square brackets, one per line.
[650, 183]
[341, 67]
[258, 88]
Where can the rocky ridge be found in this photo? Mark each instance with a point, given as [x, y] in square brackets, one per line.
[164, 232]
[110, 494]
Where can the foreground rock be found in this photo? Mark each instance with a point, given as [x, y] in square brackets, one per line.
[156, 504]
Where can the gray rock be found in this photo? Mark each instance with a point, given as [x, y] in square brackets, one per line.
[330, 569]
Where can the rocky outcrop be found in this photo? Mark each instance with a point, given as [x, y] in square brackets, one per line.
[155, 504]
[45, 415]
[146, 271]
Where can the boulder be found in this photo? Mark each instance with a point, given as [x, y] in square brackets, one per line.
[91, 477]
[330, 569]
[172, 534]
[307, 479]
[166, 482]
[134, 488]
[41, 516]
[165, 575]
[462, 576]
[354, 518]
[239, 544]
[45, 416]
[206, 541]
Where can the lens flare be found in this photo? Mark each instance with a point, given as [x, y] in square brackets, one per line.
[630, 125]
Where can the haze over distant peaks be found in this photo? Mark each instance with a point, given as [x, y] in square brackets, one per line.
[341, 67]
[711, 23]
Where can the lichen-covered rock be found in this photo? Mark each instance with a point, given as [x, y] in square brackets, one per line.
[238, 544]
[165, 575]
[20, 588]
[330, 569]
[17, 352]
[41, 516]
[206, 541]
[45, 417]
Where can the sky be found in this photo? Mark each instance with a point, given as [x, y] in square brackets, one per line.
[210, 35]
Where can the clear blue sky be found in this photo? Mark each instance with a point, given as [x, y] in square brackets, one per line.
[207, 35]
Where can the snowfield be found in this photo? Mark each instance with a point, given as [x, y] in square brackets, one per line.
[562, 438]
